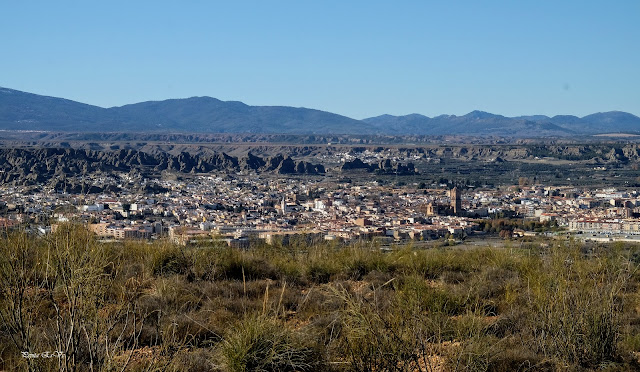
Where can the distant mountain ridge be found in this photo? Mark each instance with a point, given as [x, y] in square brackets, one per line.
[27, 111]
[479, 123]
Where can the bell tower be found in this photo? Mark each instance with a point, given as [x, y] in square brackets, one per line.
[456, 201]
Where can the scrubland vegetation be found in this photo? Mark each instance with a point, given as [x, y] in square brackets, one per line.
[138, 306]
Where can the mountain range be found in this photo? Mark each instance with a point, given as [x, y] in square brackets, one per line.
[27, 111]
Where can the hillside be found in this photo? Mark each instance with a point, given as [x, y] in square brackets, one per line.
[307, 306]
[478, 123]
[26, 111]
[32, 112]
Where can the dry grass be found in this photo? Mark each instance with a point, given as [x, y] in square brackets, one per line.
[320, 307]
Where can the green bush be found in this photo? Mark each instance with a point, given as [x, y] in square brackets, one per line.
[321, 272]
[169, 260]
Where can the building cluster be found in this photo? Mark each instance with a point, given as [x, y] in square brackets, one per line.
[604, 211]
[237, 209]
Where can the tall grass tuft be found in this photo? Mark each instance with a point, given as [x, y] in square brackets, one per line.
[260, 343]
[575, 308]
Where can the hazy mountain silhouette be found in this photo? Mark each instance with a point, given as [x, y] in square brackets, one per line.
[475, 123]
[27, 111]
[484, 123]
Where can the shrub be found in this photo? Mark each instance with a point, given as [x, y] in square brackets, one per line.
[415, 291]
[169, 260]
[263, 344]
[237, 265]
[575, 311]
[321, 271]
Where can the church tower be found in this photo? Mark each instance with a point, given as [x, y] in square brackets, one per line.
[456, 201]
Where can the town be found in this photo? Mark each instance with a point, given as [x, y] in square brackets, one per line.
[238, 209]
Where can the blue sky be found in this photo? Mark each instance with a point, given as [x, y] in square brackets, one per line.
[356, 58]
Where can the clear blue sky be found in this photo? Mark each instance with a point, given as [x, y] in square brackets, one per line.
[356, 58]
